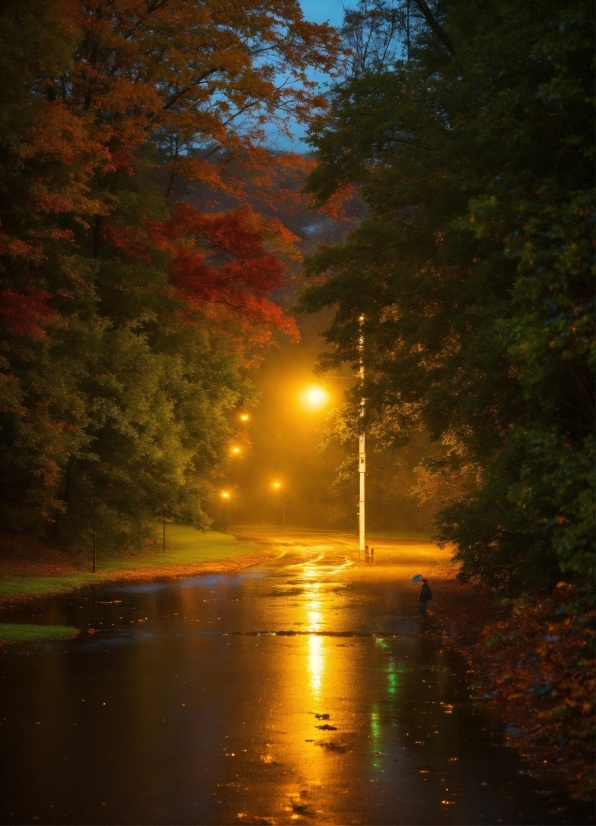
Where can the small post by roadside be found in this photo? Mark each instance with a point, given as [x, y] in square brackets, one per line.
[94, 550]
[163, 537]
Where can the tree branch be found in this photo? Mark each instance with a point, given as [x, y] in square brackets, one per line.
[437, 28]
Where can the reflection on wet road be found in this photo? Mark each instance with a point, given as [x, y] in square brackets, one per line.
[300, 692]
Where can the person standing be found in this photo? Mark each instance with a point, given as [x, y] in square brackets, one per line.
[425, 595]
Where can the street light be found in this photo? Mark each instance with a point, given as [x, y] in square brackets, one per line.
[226, 496]
[314, 397]
[244, 417]
[277, 486]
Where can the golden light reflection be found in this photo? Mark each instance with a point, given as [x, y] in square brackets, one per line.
[316, 662]
[314, 620]
[316, 677]
[316, 644]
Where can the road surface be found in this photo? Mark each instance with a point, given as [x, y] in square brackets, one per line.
[297, 692]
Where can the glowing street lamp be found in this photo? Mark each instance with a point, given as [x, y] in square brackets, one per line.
[226, 496]
[236, 451]
[314, 397]
[277, 486]
[244, 417]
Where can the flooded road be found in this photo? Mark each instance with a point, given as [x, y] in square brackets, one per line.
[298, 692]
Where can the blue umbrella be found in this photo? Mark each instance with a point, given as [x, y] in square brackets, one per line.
[417, 578]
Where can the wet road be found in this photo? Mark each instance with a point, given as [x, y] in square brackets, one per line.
[298, 692]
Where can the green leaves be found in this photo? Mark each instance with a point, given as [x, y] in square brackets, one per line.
[474, 271]
[127, 315]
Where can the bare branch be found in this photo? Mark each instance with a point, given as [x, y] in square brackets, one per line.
[435, 25]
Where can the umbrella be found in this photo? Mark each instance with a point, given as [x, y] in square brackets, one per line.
[417, 578]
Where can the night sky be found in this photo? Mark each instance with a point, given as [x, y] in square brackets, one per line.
[319, 11]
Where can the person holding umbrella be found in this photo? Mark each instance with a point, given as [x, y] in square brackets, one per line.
[425, 592]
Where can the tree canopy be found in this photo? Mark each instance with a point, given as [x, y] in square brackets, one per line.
[473, 270]
[127, 314]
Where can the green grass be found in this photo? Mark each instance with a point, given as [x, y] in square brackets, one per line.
[184, 546]
[39, 586]
[24, 632]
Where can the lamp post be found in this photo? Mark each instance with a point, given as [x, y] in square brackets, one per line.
[361, 447]
[314, 397]
[277, 486]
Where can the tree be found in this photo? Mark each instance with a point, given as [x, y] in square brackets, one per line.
[473, 272]
[128, 316]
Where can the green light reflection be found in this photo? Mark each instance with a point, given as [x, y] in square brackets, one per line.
[392, 679]
[375, 728]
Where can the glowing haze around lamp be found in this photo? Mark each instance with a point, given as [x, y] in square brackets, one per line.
[314, 397]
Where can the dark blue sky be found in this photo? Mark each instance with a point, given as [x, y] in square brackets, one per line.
[319, 11]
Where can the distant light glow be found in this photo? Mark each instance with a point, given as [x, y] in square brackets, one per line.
[236, 450]
[314, 397]
[244, 417]
[225, 494]
[276, 485]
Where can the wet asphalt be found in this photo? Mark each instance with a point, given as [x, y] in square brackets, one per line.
[302, 691]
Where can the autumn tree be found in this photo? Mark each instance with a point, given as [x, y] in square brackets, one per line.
[127, 314]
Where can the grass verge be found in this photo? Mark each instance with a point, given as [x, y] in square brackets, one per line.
[15, 632]
[187, 552]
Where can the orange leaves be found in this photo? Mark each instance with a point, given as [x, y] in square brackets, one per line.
[122, 161]
[223, 260]
[205, 70]
[63, 158]
[215, 259]
[25, 315]
[203, 81]
[132, 242]
[541, 665]
[335, 204]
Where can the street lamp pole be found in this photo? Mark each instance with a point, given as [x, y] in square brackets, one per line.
[361, 447]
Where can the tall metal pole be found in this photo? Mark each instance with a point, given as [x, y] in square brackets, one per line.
[361, 447]
[94, 550]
